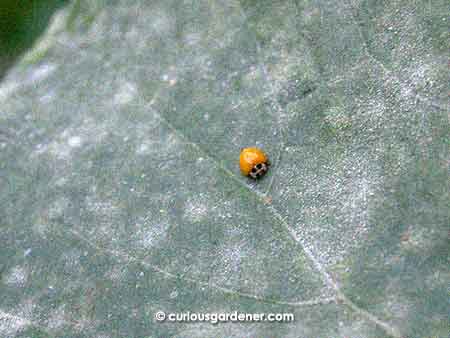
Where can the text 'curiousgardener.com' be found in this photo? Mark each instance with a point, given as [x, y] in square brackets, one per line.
[222, 317]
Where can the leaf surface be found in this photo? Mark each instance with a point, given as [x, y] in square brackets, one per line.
[120, 190]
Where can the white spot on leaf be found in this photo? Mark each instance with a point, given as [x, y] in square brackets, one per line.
[126, 93]
[57, 318]
[75, 141]
[42, 72]
[10, 324]
[196, 210]
[17, 277]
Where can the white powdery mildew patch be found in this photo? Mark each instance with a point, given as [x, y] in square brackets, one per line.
[201, 63]
[170, 77]
[75, 141]
[62, 149]
[47, 97]
[356, 206]
[373, 111]
[144, 148]
[42, 72]
[57, 318]
[10, 324]
[409, 37]
[354, 329]
[151, 19]
[161, 147]
[71, 260]
[297, 331]
[347, 194]
[230, 258]
[126, 93]
[41, 228]
[7, 88]
[229, 330]
[26, 309]
[17, 277]
[117, 274]
[228, 210]
[161, 23]
[286, 67]
[106, 213]
[226, 36]
[197, 209]
[84, 323]
[64, 144]
[280, 77]
[153, 235]
[37, 74]
[192, 39]
[419, 72]
[422, 74]
[254, 73]
[150, 232]
[58, 207]
[156, 24]
[352, 212]
[166, 145]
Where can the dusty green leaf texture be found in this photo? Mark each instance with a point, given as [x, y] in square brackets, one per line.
[120, 193]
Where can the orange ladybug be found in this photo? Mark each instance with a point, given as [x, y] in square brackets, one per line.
[253, 162]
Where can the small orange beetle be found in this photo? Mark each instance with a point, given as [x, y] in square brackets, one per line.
[253, 162]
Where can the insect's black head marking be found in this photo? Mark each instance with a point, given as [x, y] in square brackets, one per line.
[259, 170]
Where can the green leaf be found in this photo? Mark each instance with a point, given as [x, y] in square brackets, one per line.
[121, 196]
